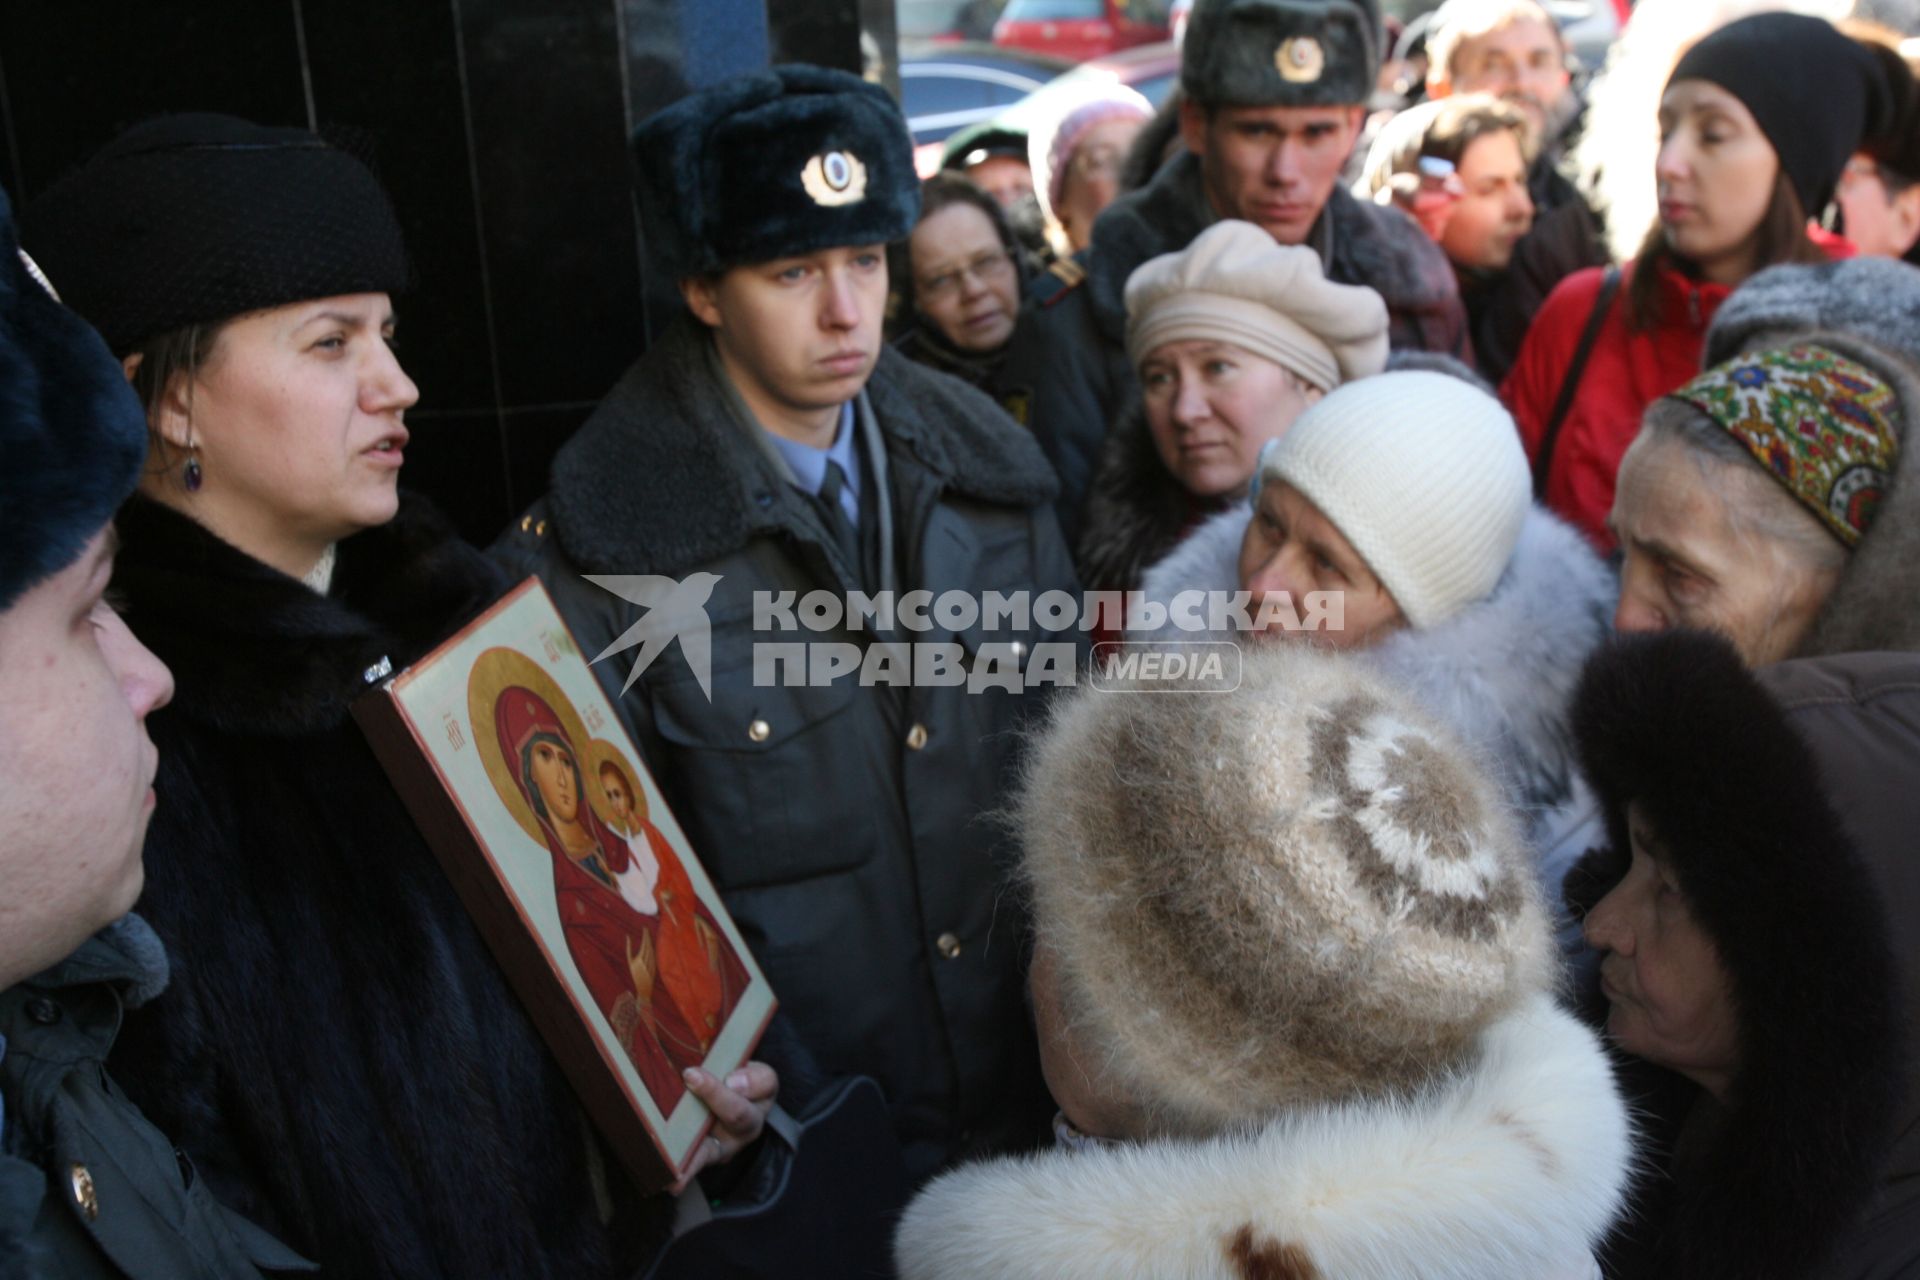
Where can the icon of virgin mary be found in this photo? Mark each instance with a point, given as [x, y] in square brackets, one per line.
[665, 989]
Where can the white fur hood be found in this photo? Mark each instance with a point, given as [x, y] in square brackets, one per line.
[1512, 1169]
[1501, 673]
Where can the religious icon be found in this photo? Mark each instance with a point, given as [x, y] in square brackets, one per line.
[575, 871]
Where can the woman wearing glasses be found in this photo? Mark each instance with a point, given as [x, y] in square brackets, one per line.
[958, 283]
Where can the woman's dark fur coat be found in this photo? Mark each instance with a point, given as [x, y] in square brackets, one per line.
[338, 1052]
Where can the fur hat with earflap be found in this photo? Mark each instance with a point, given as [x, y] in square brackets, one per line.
[1301, 892]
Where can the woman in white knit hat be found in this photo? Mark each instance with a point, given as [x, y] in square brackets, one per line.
[1407, 496]
[1295, 996]
[1232, 337]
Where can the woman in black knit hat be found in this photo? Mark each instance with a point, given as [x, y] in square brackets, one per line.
[338, 1054]
[1756, 124]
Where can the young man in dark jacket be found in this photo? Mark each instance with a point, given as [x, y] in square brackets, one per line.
[1274, 99]
[87, 1186]
[767, 447]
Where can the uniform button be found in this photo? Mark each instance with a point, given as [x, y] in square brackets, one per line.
[43, 1011]
[949, 945]
[759, 731]
[917, 737]
[83, 1192]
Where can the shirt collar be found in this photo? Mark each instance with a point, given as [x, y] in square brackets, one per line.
[809, 464]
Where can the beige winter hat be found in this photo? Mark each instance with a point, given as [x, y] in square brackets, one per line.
[1424, 474]
[1234, 284]
[1302, 891]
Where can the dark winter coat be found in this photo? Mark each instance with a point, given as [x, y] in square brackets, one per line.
[88, 1187]
[843, 824]
[338, 1052]
[1069, 352]
[1786, 803]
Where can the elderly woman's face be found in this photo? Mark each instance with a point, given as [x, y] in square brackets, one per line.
[1093, 177]
[1687, 562]
[1211, 406]
[1671, 1001]
[1087, 1099]
[964, 280]
[1291, 547]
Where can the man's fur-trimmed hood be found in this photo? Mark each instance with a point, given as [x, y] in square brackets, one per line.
[1501, 673]
[661, 477]
[1509, 1169]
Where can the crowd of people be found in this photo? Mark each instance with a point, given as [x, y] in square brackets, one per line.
[1529, 904]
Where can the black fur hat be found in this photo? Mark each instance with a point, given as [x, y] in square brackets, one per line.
[769, 165]
[1742, 795]
[193, 219]
[72, 433]
[1281, 53]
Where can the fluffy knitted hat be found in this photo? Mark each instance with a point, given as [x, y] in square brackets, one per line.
[193, 219]
[1299, 893]
[72, 433]
[1756, 57]
[1877, 299]
[1424, 474]
[1234, 284]
[1281, 53]
[775, 163]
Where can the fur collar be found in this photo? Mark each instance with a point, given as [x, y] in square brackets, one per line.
[1512, 1169]
[1501, 674]
[1135, 509]
[1872, 606]
[255, 651]
[1358, 243]
[661, 478]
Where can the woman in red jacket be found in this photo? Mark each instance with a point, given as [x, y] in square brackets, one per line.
[1741, 166]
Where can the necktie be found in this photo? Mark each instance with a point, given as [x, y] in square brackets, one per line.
[838, 526]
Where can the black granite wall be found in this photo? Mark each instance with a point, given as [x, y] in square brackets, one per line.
[500, 128]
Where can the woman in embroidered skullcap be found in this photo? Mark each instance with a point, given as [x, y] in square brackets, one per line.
[338, 1053]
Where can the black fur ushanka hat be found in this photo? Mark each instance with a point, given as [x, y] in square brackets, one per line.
[774, 164]
[72, 433]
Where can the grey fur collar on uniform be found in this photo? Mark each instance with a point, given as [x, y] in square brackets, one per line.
[1501, 674]
[1357, 243]
[661, 477]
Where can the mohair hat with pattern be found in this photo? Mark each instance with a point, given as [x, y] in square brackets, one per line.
[1301, 892]
[1281, 53]
[73, 436]
[1424, 474]
[772, 164]
[194, 219]
[1234, 284]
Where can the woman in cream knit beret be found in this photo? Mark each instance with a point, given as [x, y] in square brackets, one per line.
[1232, 337]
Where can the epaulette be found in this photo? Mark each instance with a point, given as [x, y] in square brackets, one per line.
[1057, 281]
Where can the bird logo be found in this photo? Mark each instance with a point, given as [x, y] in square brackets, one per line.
[675, 610]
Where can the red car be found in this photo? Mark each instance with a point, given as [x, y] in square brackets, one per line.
[1081, 29]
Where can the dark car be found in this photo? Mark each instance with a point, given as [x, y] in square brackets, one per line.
[950, 87]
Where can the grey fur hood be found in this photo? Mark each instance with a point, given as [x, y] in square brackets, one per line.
[1501, 674]
[662, 478]
[1370, 243]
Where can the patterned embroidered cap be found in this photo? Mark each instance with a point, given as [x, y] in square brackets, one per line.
[1301, 892]
[1822, 425]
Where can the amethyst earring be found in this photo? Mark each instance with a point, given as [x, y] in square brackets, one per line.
[192, 474]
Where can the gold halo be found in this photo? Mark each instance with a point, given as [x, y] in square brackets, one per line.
[500, 669]
[599, 752]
